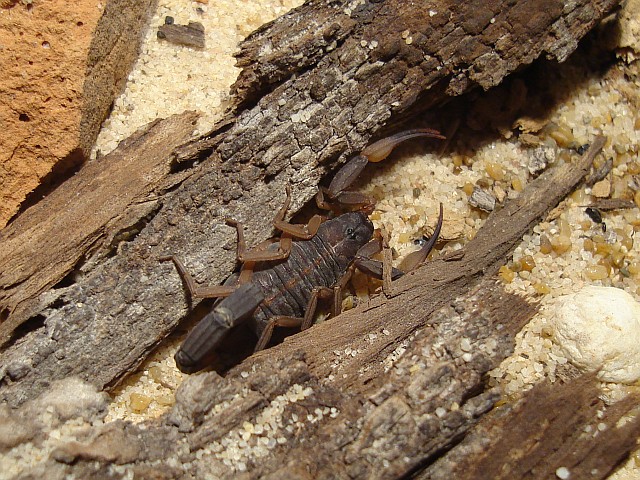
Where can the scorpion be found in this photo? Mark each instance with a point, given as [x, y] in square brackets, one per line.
[282, 280]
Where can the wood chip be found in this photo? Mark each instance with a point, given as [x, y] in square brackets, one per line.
[612, 204]
[482, 199]
[191, 35]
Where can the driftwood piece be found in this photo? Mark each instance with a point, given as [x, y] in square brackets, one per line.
[191, 35]
[418, 403]
[476, 42]
[551, 427]
[105, 323]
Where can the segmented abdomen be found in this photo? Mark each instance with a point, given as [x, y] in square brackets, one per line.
[288, 286]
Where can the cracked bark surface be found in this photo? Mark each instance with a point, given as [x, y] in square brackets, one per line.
[552, 426]
[320, 110]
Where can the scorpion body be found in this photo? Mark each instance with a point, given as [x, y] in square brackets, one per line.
[283, 294]
[281, 283]
[319, 262]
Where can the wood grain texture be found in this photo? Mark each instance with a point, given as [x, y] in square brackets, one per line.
[562, 425]
[85, 217]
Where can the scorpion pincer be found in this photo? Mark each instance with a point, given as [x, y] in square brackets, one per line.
[281, 282]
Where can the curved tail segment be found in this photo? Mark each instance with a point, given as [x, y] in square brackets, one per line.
[338, 192]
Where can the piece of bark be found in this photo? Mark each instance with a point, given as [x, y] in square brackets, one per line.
[329, 99]
[420, 402]
[553, 426]
[476, 42]
[277, 419]
[607, 204]
[191, 35]
[97, 209]
[482, 199]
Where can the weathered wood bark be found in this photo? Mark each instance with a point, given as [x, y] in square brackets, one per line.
[89, 216]
[277, 419]
[103, 325]
[351, 369]
[382, 427]
[553, 426]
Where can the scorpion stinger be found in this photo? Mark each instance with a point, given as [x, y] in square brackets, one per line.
[214, 327]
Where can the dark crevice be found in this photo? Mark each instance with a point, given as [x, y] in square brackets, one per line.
[68, 280]
[434, 457]
[60, 172]
[128, 234]
[475, 390]
[31, 325]
[207, 143]
[58, 303]
[265, 86]
[188, 163]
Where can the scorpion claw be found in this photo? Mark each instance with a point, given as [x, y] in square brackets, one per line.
[414, 259]
[347, 175]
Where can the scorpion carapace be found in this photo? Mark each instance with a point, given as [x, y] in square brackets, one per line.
[280, 283]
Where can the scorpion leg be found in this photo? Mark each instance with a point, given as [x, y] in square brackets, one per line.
[375, 152]
[286, 321]
[301, 231]
[195, 291]
[262, 254]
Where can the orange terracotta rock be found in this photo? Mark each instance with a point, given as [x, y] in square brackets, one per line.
[62, 65]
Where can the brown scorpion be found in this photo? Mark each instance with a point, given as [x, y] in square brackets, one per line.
[281, 282]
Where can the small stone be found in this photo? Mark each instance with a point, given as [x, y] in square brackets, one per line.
[539, 158]
[598, 328]
[139, 402]
[561, 244]
[596, 272]
[601, 189]
[482, 199]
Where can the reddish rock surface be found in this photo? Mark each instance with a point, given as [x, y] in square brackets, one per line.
[62, 65]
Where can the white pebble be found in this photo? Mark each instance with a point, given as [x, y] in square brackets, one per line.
[563, 473]
[599, 329]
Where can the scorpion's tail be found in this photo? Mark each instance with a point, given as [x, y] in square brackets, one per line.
[207, 335]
